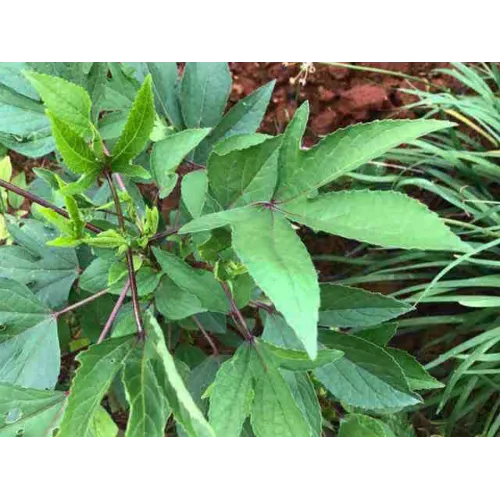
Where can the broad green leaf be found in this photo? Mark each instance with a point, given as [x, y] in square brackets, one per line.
[281, 266]
[239, 142]
[144, 380]
[243, 118]
[98, 367]
[49, 272]
[29, 412]
[29, 346]
[76, 153]
[132, 171]
[201, 377]
[198, 282]
[140, 122]
[218, 219]
[274, 412]
[298, 360]
[305, 396]
[16, 200]
[203, 93]
[357, 425]
[194, 191]
[174, 302]
[345, 307]
[185, 411]
[102, 425]
[278, 332]
[11, 76]
[384, 218]
[66, 101]
[366, 377]
[379, 335]
[168, 154]
[231, 394]
[243, 176]
[341, 152]
[418, 377]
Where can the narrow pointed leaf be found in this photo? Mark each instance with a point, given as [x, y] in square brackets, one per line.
[140, 122]
[218, 219]
[346, 307]
[344, 151]
[98, 367]
[357, 425]
[281, 266]
[194, 191]
[384, 218]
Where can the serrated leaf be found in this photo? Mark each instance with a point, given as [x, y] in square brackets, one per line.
[346, 307]
[185, 411]
[140, 122]
[174, 302]
[243, 118]
[29, 412]
[203, 93]
[243, 176]
[281, 266]
[357, 425]
[144, 381]
[379, 335]
[384, 218]
[168, 154]
[132, 171]
[274, 412]
[76, 153]
[231, 394]
[418, 377]
[366, 377]
[298, 360]
[305, 396]
[198, 282]
[49, 272]
[342, 152]
[194, 191]
[68, 102]
[98, 367]
[29, 346]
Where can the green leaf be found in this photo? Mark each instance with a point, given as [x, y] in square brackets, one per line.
[278, 332]
[76, 153]
[194, 191]
[140, 122]
[16, 200]
[243, 118]
[29, 412]
[168, 154]
[144, 380]
[102, 425]
[132, 171]
[66, 101]
[303, 172]
[379, 335]
[174, 302]
[98, 367]
[243, 176]
[357, 425]
[281, 266]
[345, 307]
[29, 346]
[185, 411]
[49, 272]
[295, 360]
[305, 396]
[366, 377]
[384, 218]
[418, 377]
[203, 93]
[231, 394]
[198, 282]
[274, 412]
[218, 219]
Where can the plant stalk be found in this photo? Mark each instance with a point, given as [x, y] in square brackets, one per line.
[44, 203]
[206, 335]
[130, 261]
[56, 314]
[114, 312]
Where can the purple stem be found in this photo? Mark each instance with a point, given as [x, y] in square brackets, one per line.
[114, 312]
[56, 314]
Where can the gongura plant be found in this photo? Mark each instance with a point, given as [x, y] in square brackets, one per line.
[209, 319]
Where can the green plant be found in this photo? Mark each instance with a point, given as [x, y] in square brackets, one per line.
[457, 171]
[226, 272]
